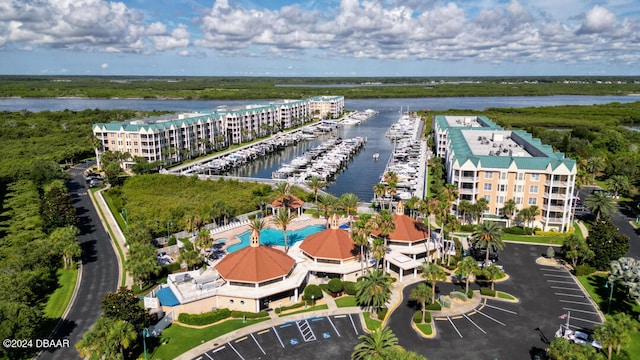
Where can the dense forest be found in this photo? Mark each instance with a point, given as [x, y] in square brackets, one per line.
[240, 88]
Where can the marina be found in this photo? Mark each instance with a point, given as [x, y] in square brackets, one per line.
[357, 117]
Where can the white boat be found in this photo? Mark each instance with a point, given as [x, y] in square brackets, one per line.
[376, 156]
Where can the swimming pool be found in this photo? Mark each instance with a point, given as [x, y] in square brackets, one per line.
[275, 237]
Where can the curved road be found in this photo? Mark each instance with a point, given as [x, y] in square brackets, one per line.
[99, 270]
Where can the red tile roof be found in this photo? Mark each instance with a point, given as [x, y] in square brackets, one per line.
[407, 229]
[255, 264]
[292, 202]
[329, 244]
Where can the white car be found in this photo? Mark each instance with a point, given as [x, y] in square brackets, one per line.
[581, 338]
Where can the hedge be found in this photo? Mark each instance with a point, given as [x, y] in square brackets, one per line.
[486, 291]
[249, 315]
[584, 270]
[470, 294]
[335, 286]
[427, 317]
[382, 313]
[515, 230]
[433, 306]
[349, 287]
[294, 306]
[417, 317]
[468, 228]
[204, 319]
[312, 290]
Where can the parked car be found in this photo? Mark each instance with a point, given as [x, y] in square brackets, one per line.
[584, 339]
[480, 254]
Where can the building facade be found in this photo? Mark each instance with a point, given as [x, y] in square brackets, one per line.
[485, 161]
[174, 137]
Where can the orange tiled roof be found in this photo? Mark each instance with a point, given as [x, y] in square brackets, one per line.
[407, 230]
[329, 244]
[255, 264]
[293, 202]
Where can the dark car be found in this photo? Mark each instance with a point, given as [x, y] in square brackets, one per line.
[480, 253]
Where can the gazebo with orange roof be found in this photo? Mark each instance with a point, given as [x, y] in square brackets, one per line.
[291, 202]
[261, 267]
[331, 251]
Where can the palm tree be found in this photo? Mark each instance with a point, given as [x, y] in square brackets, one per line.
[448, 196]
[378, 249]
[594, 165]
[123, 334]
[489, 235]
[465, 207]
[326, 204]
[316, 184]
[373, 289]
[624, 325]
[492, 272]
[479, 207]
[360, 237]
[433, 273]
[467, 267]
[384, 224]
[203, 239]
[509, 209]
[599, 203]
[380, 344]
[257, 224]
[411, 203]
[421, 294]
[349, 203]
[608, 335]
[391, 190]
[618, 185]
[282, 220]
[190, 257]
[283, 193]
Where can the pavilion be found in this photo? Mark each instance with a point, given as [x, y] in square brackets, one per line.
[290, 202]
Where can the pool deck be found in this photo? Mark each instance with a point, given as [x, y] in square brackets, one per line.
[300, 222]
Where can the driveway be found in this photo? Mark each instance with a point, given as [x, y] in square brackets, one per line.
[99, 270]
[499, 329]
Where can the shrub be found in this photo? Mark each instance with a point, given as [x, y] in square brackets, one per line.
[433, 306]
[486, 291]
[349, 287]
[458, 295]
[172, 240]
[470, 294]
[312, 290]
[417, 317]
[584, 270]
[515, 230]
[382, 313]
[171, 268]
[294, 306]
[188, 246]
[204, 319]
[427, 317]
[335, 286]
[467, 228]
[249, 315]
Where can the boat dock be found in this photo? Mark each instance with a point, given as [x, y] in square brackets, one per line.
[358, 117]
[323, 161]
[409, 157]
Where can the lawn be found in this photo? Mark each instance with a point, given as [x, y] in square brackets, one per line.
[346, 301]
[113, 237]
[177, 339]
[503, 295]
[425, 328]
[372, 324]
[59, 300]
[313, 308]
[555, 239]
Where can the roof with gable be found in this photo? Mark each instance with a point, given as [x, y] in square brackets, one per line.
[292, 202]
[407, 230]
[255, 264]
[329, 244]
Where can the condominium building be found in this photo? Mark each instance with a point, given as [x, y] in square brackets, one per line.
[175, 136]
[485, 161]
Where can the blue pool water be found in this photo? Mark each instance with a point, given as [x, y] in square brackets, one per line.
[275, 237]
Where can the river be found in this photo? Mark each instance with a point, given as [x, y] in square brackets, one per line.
[362, 172]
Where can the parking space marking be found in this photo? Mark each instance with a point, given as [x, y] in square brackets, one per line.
[553, 269]
[218, 349]
[259, 347]
[570, 295]
[457, 317]
[474, 324]
[278, 336]
[263, 331]
[305, 330]
[585, 320]
[583, 311]
[236, 351]
[575, 302]
[565, 288]
[489, 317]
[353, 324]
[241, 339]
[333, 326]
[561, 282]
[560, 276]
[454, 327]
[501, 309]
[208, 356]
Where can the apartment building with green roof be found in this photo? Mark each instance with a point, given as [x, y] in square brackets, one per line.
[173, 137]
[485, 161]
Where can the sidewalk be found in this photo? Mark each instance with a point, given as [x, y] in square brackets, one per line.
[109, 223]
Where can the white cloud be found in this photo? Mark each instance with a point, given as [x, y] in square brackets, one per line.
[597, 20]
[104, 66]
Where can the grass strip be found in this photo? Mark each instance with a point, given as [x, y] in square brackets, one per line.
[313, 308]
[425, 328]
[346, 301]
[372, 324]
[177, 339]
[59, 300]
[113, 237]
[503, 295]
[556, 239]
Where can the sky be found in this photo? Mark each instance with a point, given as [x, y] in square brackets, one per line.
[331, 38]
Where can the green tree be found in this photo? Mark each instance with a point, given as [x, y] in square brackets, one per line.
[282, 220]
[421, 294]
[125, 305]
[373, 289]
[467, 267]
[379, 345]
[627, 271]
[191, 258]
[608, 336]
[107, 339]
[56, 207]
[509, 209]
[433, 273]
[606, 243]
[465, 207]
[594, 165]
[316, 184]
[618, 185]
[141, 262]
[488, 235]
[360, 236]
[576, 250]
[492, 272]
[479, 207]
[379, 191]
[599, 203]
[283, 193]
[65, 242]
[326, 204]
[349, 202]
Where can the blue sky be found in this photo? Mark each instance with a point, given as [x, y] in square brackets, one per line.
[320, 38]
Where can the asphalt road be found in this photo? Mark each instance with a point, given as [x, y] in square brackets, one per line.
[99, 270]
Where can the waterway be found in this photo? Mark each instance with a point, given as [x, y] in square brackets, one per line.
[362, 173]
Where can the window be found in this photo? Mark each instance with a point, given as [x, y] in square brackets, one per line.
[488, 187]
[503, 176]
[518, 188]
[518, 200]
[535, 177]
[520, 176]
[241, 302]
[533, 201]
[487, 197]
[230, 301]
[500, 199]
[488, 174]
[502, 187]
[533, 189]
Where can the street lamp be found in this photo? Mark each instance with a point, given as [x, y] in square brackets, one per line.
[145, 335]
[313, 300]
[610, 284]
[169, 223]
[125, 215]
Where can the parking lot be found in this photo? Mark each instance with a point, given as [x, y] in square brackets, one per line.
[330, 337]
